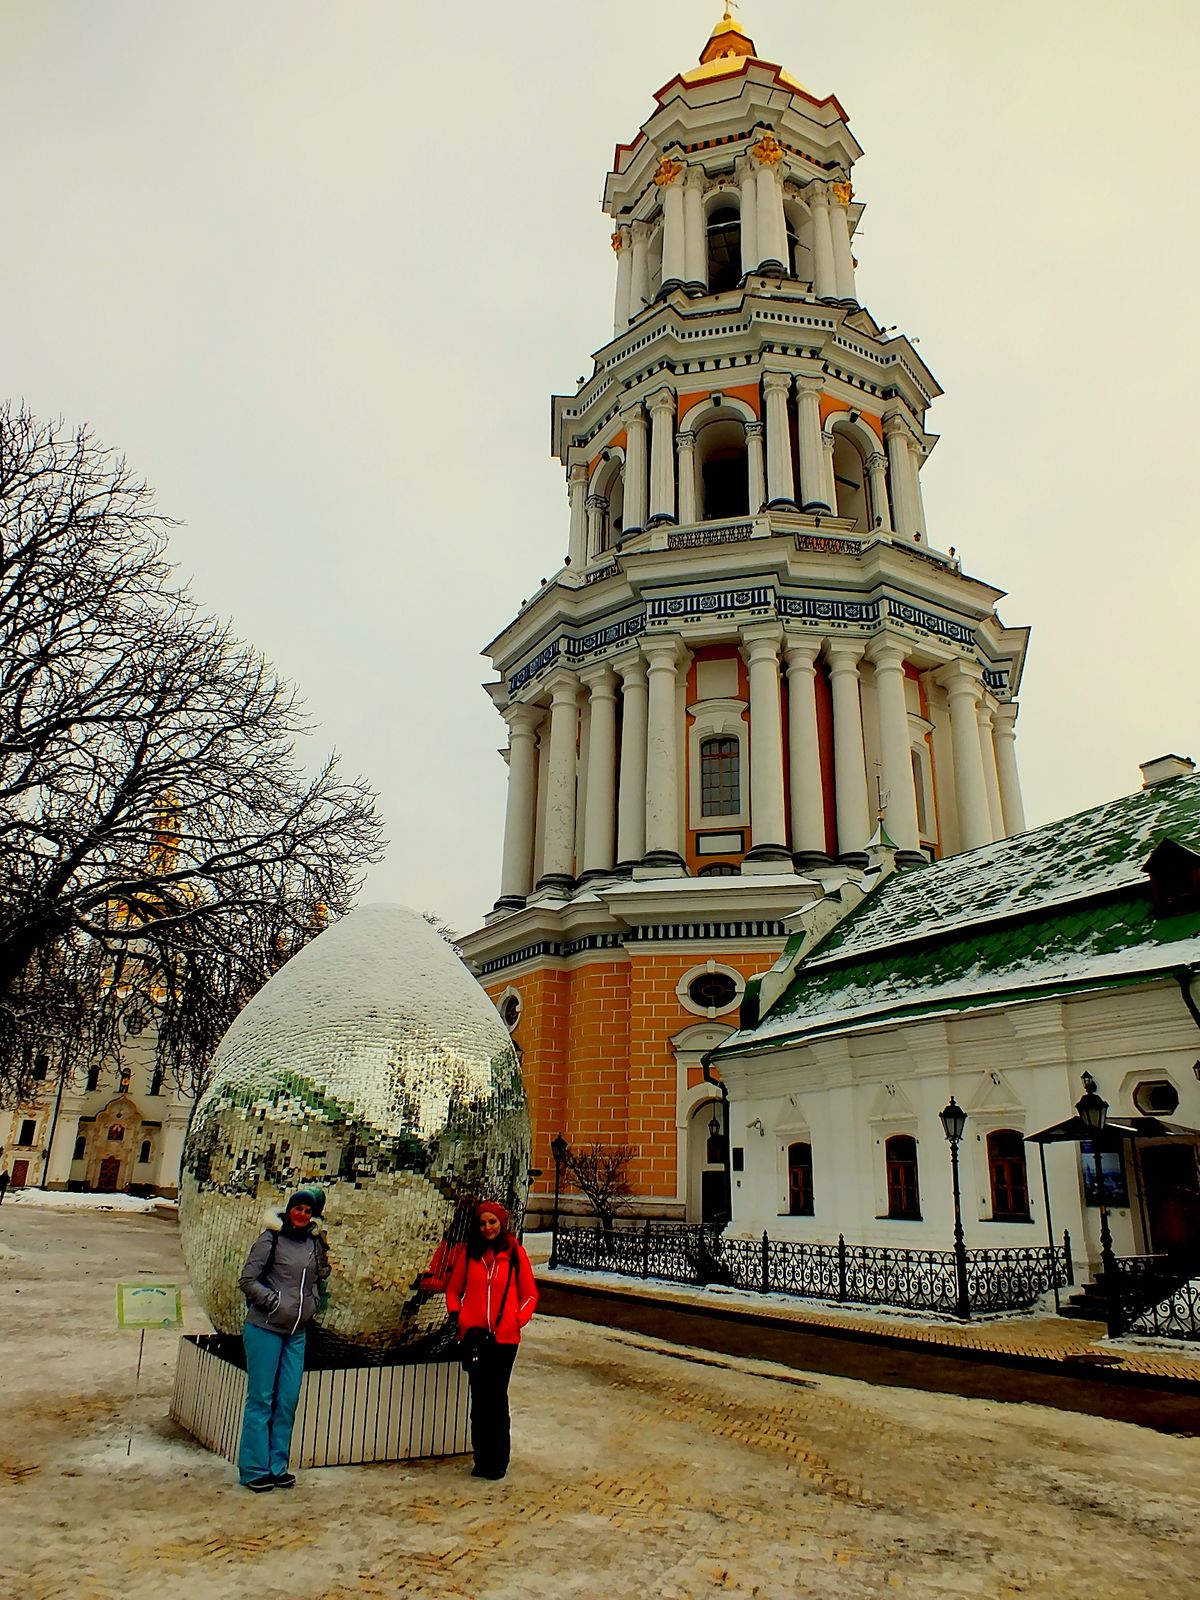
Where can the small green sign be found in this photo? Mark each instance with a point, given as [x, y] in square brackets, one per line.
[149, 1305]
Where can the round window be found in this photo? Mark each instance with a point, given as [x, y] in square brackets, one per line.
[716, 989]
[510, 1011]
[1156, 1099]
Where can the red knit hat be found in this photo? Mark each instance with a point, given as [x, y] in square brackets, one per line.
[495, 1209]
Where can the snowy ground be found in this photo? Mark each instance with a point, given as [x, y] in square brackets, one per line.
[639, 1471]
[63, 1200]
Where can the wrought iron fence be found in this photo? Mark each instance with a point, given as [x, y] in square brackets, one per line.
[1154, 1295]
[854, 1274]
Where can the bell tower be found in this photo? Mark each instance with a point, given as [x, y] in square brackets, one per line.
[755, 651]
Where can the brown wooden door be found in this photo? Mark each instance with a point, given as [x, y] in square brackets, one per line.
[20, 1173]
[110, 1171]
[1172, 1189]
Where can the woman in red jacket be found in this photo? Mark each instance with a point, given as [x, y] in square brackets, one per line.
[492, 1289]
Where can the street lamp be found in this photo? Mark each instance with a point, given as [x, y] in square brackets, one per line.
[559, 1149]
[1092, 1111]
[954, 1120]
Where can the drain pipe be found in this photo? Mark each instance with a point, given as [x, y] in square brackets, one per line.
[717, 1083]
[1184, 977]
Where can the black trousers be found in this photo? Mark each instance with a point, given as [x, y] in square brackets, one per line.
[490, 1433]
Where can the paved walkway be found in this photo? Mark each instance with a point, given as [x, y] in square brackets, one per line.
[641, 1471]
[1063, 1341]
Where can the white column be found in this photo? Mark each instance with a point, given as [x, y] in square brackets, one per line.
[843, 256]
[577, 477]
[849, 760]
[827, 465]
[756, 467]
[634, 418]
[751, 255]
[622, 311]
[772, 228]
[559, 847]
[804, 753]
[1004, 726]
[631, 803]
[663, 654]
[895, 751]
[639, 274]
[768, 819]
[595, 524]
[600, 813]
[991, 777]
[516, 870]
[906, 507]
[62, 1150]
[877, 472]
[685, 450]
[674, 257]
[695, 244]
[543, 783]
[824, 263]
[779, 440]
[962, 686]
[813, 491]
[662, 456]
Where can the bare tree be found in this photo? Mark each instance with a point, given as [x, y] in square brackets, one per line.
[160, 843]
[601, 1174]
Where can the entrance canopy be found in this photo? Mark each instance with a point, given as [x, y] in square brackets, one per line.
[1074, 1131]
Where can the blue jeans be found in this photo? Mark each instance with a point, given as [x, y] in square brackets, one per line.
[274, 1369]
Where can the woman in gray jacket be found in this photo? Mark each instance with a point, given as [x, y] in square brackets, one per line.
[283, 1282]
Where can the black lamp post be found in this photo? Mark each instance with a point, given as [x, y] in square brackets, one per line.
[558, 1149]
[954, 1120]
[1092, 1111]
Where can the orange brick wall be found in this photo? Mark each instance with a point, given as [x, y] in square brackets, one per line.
[596, 1052]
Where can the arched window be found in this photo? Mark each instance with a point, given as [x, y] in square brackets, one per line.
[850, 481]
[800, 1184]
[724, 249]
[799, 234]
[720, 778]
[904, 1196]
[80, 1147]
[144, 1153]
[724, 472]
[719, 869]
[156, 1081]
[1007, 1175]
[93, 1078]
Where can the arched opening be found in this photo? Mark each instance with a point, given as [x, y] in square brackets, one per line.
[610, 492]
[800, 1180]
[654, 255]
[799, 243]
[724, 248]
[708, 1176]
[720, 777]
[850, 479]
[903, 1191]
[720, 869]
[723, 470]
[1007, 1175]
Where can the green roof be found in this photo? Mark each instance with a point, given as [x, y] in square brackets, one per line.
[1058, 909]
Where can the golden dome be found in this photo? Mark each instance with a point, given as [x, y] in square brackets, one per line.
[728, 49]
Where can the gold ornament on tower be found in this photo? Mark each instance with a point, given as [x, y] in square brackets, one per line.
[768, 150]
[618, 241]
[667, 171]
[843, 193]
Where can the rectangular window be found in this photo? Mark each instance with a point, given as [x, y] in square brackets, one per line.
[28, 1130]
[720, 778]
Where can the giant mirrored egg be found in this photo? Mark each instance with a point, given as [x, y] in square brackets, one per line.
[374, 1065]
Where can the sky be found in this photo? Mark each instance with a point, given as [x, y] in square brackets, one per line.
[316, 270]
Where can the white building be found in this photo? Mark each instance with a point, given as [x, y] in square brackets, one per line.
[998, 977]
[108, 1128]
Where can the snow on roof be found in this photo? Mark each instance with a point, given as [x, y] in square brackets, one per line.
[1064, 906]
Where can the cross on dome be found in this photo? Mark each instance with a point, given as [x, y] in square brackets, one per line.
[727, 39]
